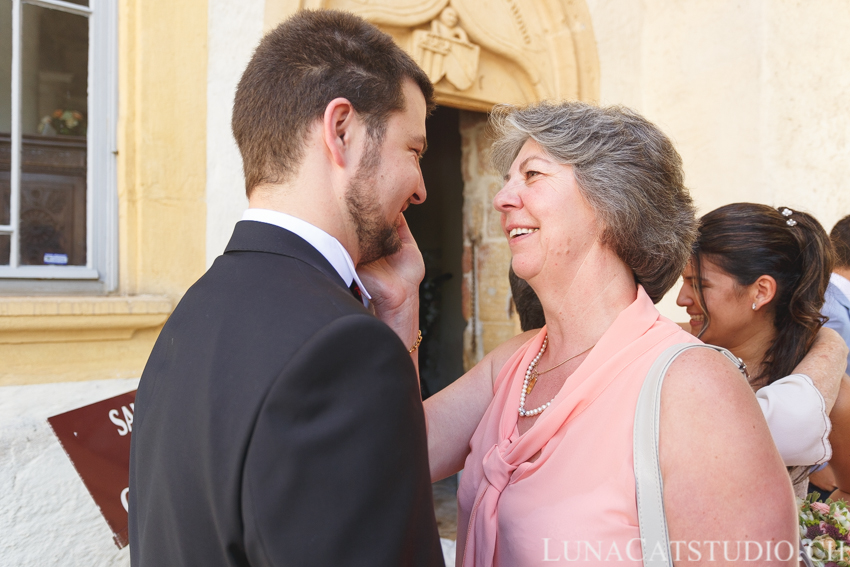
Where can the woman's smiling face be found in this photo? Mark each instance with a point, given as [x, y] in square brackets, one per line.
[545, 218]
[727, 302]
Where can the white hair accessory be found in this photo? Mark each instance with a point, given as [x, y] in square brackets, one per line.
[786, 212]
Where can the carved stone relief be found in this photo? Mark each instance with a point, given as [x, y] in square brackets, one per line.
[483, 52]
[445, 51]
[402, 13]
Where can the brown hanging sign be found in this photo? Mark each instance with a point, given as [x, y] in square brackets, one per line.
[97, 440]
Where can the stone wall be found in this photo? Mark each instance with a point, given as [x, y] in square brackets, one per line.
[487, 305]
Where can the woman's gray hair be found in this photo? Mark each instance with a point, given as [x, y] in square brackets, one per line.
[627, 170]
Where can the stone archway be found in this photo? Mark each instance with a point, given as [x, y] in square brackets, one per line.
[512, 51]
[480, 53]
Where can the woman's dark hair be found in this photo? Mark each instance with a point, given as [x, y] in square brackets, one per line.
[527, 303]
[747, 241]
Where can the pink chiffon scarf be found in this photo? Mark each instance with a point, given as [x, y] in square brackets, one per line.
[576, 502]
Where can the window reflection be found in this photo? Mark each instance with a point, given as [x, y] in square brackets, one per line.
[5, 110]
[5, 242]
[55, 72]
[54, 76]
[5, 195]
[53, 219]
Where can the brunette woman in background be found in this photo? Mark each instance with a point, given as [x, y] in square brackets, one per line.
[755, 285]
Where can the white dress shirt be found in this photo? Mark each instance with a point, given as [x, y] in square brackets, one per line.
[327, 245]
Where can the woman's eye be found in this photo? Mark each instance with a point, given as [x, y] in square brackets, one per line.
[531, 174]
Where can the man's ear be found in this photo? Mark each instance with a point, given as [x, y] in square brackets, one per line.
[337, 124]
[765, 288]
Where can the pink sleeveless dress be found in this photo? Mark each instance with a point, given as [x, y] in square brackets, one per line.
[576, 502]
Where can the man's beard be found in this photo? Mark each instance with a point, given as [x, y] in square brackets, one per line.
[377, 238]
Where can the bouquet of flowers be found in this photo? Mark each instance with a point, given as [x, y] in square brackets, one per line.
[825, 531]
[65, 122]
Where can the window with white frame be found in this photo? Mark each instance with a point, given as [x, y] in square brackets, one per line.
[58, 203]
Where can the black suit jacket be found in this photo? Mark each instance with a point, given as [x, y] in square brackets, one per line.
[278, 422]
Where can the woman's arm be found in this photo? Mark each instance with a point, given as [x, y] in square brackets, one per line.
[453, 414]
[825, 364]
[716, 452]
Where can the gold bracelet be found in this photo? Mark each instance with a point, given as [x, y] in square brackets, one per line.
[416, 344]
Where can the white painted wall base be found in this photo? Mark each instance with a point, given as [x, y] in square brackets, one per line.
[47, 516]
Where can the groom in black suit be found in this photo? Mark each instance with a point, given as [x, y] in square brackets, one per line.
[278, 420]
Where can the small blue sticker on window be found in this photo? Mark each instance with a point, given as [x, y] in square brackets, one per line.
[59, 259]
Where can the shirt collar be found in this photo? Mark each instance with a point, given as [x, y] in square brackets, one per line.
[328, 246]
[841, 283]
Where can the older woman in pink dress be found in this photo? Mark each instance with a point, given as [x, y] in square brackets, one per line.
[600, 225]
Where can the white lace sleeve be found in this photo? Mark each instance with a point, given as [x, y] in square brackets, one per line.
[796, 416]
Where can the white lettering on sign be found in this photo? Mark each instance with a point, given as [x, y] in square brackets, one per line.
[124, 499]
[125, 423]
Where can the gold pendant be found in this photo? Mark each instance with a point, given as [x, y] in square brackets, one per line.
[531, 382]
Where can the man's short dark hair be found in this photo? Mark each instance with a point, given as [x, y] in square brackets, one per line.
[840, 237]
[298, 68]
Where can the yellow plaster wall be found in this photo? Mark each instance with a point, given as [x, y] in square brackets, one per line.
[162, 211]
[162, 145]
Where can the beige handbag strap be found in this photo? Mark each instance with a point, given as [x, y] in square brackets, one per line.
[649, 485]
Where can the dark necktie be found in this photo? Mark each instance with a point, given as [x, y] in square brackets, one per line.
[355, 290]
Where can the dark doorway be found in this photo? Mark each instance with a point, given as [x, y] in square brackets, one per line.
[437, 226]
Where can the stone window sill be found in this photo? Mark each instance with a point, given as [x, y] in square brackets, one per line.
[72, 319]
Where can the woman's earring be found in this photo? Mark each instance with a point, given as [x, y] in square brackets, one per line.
[754, 305]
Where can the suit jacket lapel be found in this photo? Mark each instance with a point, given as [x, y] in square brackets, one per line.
[253, 236]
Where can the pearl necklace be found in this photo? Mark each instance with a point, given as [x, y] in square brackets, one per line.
[528, 373]
[531, 379]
